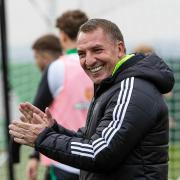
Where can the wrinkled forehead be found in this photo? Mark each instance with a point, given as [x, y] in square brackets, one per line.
[91, 32]
[96, 36]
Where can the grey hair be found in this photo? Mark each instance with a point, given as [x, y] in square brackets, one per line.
[107, 26]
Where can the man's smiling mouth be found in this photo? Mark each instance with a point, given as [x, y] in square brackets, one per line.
[95, 69]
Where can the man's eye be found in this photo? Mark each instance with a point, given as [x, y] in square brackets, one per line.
[81, 55]
[98, 50]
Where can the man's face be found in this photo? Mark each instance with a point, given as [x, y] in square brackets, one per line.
[43, 59]
[98, 54]
[39, 60]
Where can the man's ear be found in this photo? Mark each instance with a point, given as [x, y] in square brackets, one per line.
[121, 49]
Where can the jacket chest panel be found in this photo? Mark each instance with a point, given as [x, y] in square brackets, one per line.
[97, 110]
[96, 113]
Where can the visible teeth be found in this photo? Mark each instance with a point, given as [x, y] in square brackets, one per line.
[95, 69]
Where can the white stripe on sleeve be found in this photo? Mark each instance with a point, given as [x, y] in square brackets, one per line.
[91, 150]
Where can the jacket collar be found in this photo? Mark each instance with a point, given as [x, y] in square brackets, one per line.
[108, 82]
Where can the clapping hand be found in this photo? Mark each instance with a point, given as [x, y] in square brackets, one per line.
[33, 122]
[33, 115]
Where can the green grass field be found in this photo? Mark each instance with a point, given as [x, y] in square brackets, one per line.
[174, 161]
[20, 168]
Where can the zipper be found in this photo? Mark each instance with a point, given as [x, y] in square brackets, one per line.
[90, 117]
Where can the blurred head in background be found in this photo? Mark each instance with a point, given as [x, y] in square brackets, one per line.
[144, 49]
[46, 49]
[68, 24]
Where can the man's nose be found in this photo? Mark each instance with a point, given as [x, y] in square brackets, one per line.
[90, 60]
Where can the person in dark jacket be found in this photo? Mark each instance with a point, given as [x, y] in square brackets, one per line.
[126, 134]
[46, 49]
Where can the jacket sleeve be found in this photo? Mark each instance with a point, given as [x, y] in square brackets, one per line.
[127, 118]
[43, 96]
[62, 130]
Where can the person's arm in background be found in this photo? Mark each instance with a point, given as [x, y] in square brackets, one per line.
[15, 151]
[42, 100]
[43, 96]
[49, 87]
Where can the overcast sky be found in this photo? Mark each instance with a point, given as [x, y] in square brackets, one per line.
[151, 21]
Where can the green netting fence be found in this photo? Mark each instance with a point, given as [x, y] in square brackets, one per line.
[173, 102]
[24, 78]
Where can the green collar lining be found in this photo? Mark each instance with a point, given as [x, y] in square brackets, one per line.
[122, 61]
[71, 51]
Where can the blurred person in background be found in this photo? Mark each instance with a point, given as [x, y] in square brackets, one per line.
[143, 48]
[46, 49]
[67, 90]
[126, 133]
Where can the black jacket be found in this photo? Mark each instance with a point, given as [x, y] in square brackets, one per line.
[126, 134]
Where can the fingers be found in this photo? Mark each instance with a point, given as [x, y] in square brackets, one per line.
[34, 109]
[21, 135]
[23, 141]
[26, 119]
[19, 140]
[48, 114]
[37, 119]
[16, 134]
[19, 125]
[28, 107]
[49, 118]
[28, 115]
[26, 133]
[23, 119]
[28, 111]
[46, 121]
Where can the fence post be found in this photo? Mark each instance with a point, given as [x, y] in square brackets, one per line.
[5, 84]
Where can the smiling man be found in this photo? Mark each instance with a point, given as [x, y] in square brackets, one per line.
[126, 133]
[99, 53]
